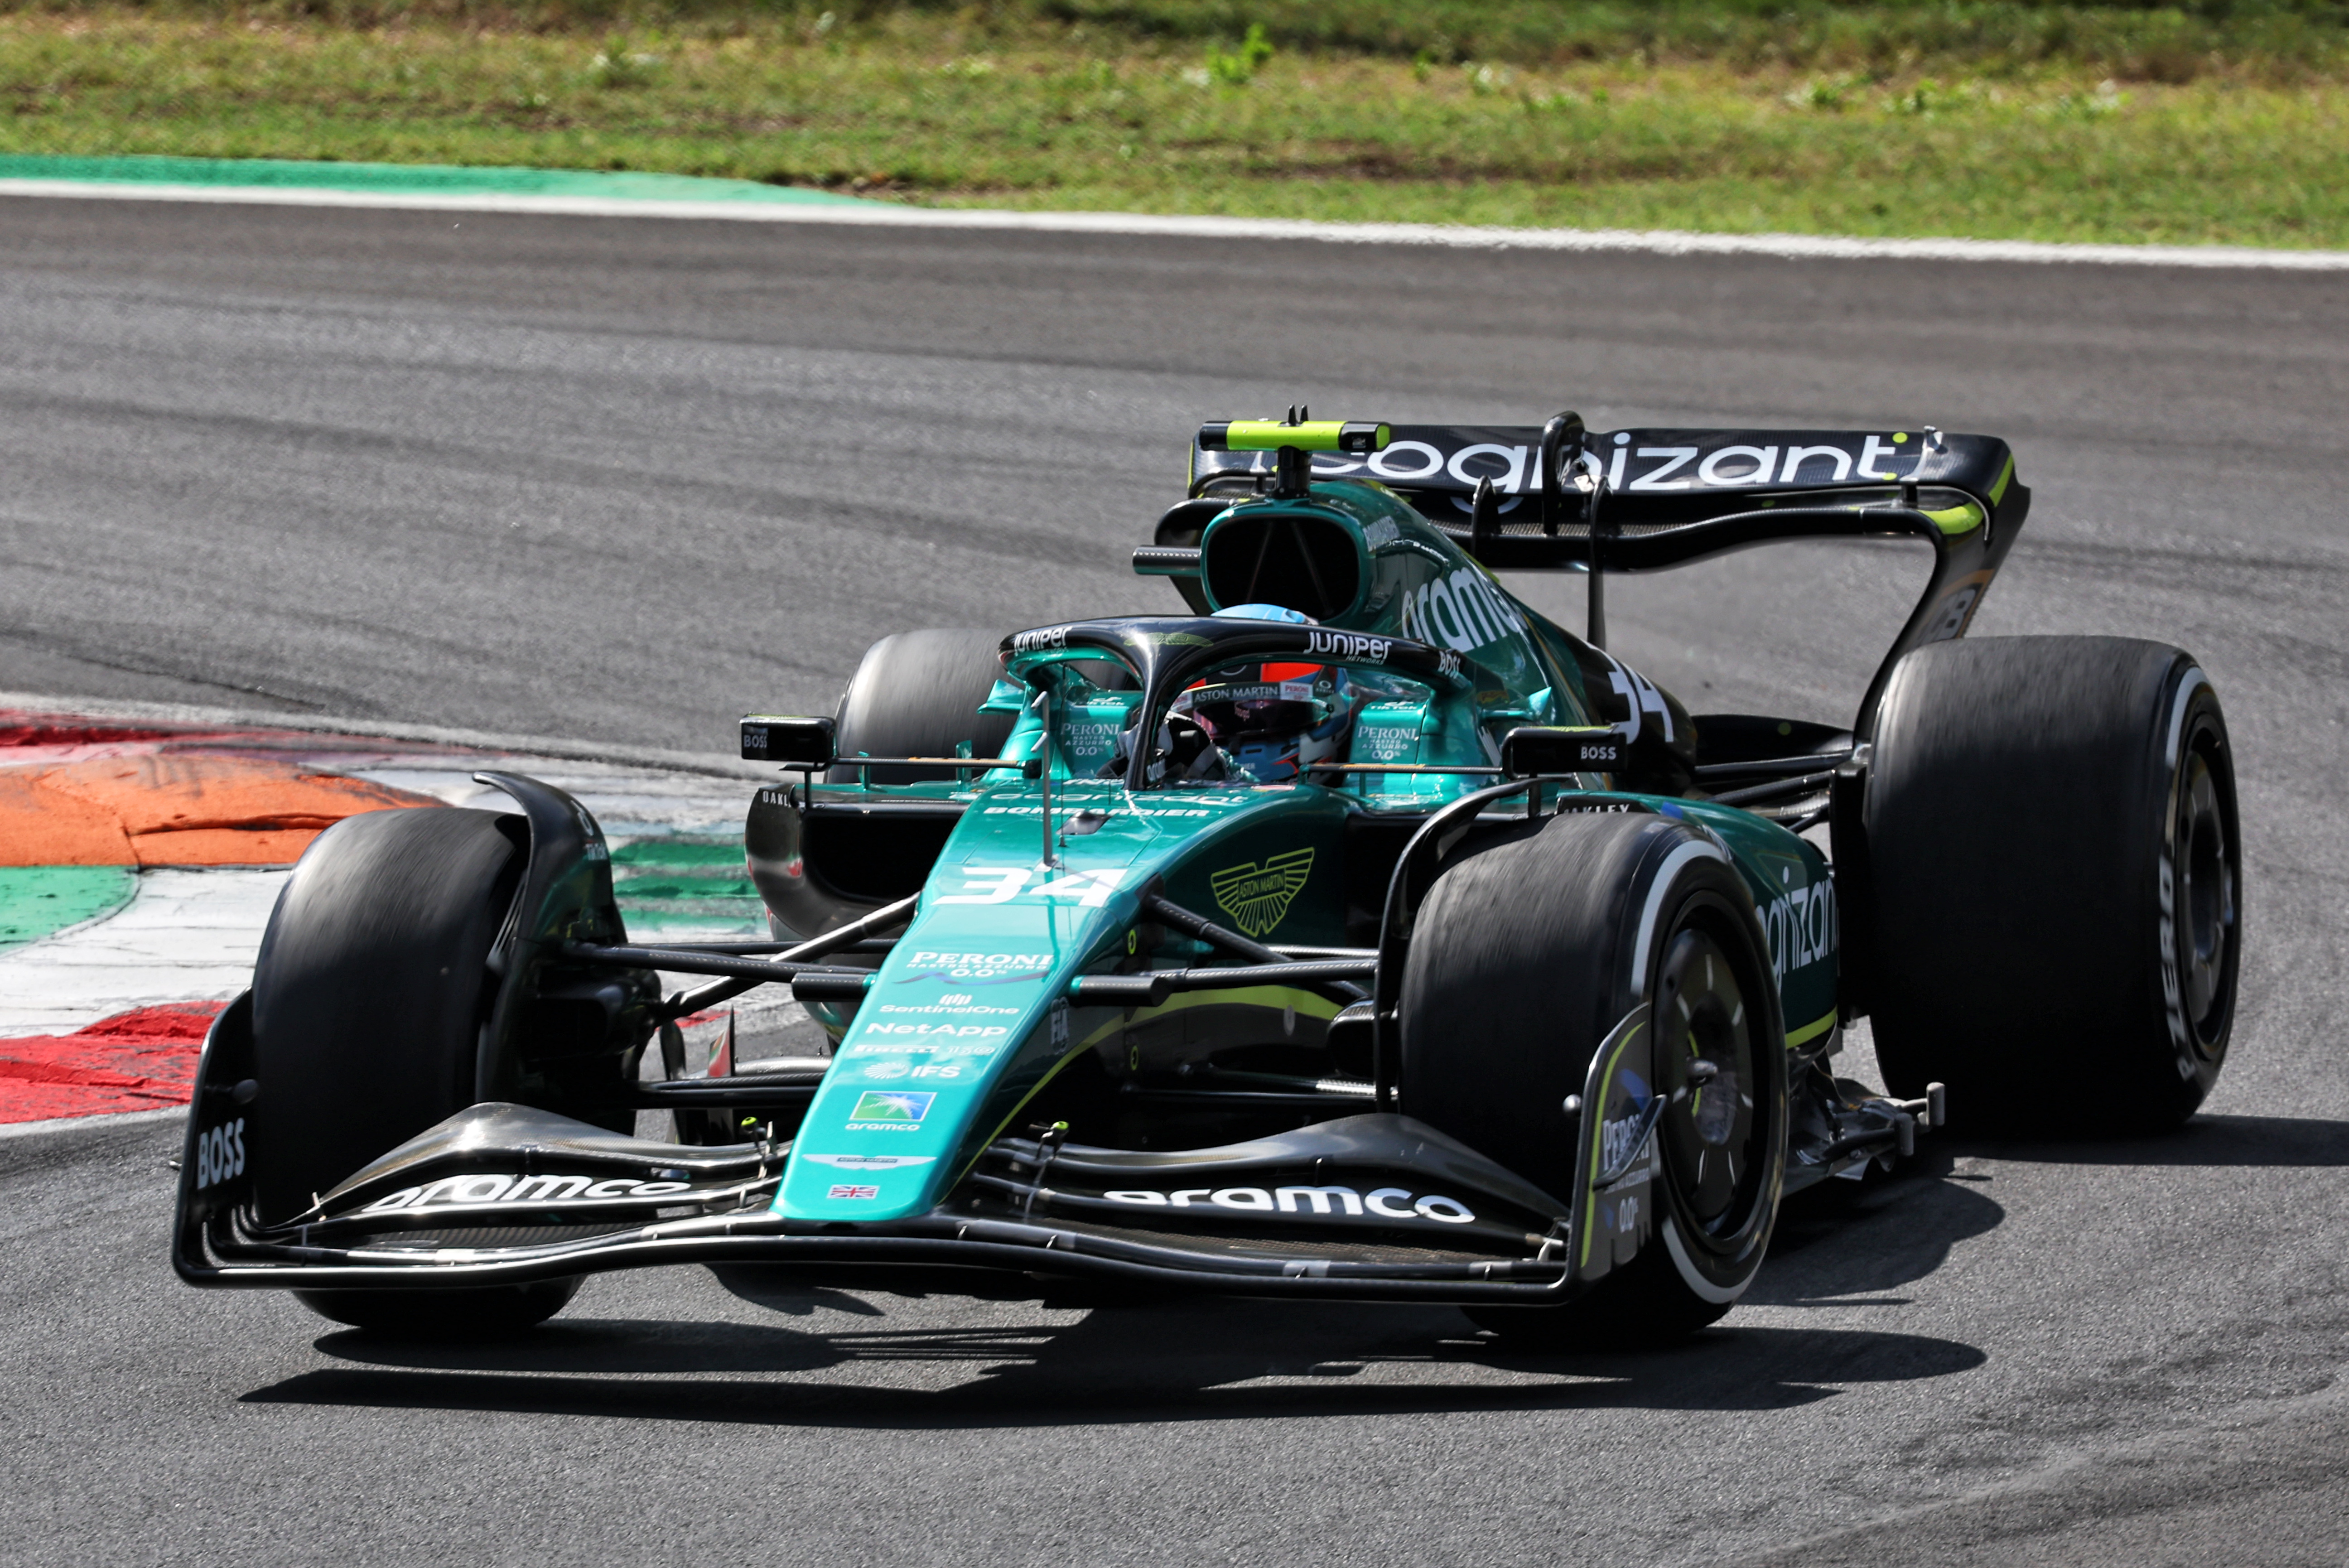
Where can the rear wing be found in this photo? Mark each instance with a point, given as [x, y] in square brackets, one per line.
[1559, 497]
[1661, 497]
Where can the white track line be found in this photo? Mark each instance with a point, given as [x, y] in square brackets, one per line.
[1659, 242]
[191, 934]
[717, 765]
[188, 935]
[9, 1130]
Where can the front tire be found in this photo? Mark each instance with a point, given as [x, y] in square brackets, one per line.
[1524, 958]
[2057, 880]
[486, 1313]
[368, 998]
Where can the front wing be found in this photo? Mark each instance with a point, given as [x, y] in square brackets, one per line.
[1367, 1207]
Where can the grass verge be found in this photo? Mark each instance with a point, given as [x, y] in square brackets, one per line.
[1994, 121]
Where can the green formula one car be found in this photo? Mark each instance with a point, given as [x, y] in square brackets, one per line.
[1352, 931]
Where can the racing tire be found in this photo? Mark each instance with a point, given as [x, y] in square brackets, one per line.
[369, 997]
[2057, 879]
[473, 1312]
[916, 694]
[1523, 960]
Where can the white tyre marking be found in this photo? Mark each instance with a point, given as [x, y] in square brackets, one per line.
[1702, 1288]
[1696, 849]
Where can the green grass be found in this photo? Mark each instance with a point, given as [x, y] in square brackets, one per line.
[2208, 124]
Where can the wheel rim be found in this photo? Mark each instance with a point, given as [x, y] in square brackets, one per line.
[2205, 896]
[1710, 1133]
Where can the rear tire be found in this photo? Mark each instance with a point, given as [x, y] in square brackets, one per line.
[2056, 880]
[1524, 959]
[916, 694]
[368, 998]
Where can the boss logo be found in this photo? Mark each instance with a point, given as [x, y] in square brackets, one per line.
[220, 1154]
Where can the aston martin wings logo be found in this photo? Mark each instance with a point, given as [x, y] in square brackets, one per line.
[1257, 896]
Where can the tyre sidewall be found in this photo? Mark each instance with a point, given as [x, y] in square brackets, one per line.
[2195, 722]
[1718, 1269]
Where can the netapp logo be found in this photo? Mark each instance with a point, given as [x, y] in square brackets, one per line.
[1385, 1203]
[478, 1189]
[1348, 645]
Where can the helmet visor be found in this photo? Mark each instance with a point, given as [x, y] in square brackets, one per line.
[1232, 723]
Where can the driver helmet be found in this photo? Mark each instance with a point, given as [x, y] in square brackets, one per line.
[1274, 721]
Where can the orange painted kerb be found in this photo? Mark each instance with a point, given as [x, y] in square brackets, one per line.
[175, 809]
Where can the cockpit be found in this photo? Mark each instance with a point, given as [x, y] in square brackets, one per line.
[1276, 720]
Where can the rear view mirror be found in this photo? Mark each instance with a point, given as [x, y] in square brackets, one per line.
[795, 743]
[1532, 751]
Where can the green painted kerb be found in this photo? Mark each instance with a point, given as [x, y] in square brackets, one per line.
[687, 889]
[37, 901]
[402, 179]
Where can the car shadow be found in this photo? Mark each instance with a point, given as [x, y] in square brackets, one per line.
[1182, 1359]
[1846, 1239]
[1839, 1245]
[1846, 1244]
[2213, 1141]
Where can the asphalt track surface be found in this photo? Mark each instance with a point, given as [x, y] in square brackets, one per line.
[625, 479]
